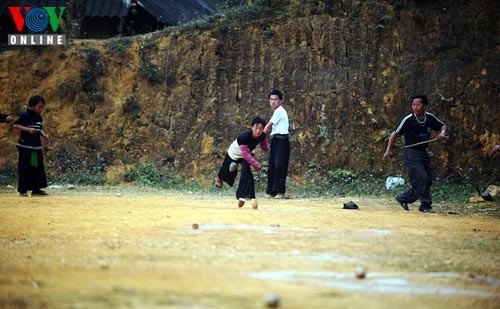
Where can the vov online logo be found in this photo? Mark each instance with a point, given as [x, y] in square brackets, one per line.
[36, 20]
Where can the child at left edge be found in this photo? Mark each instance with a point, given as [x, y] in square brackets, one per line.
[30, 169]
[240, 152]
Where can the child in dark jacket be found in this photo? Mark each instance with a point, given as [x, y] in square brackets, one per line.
[31, 172]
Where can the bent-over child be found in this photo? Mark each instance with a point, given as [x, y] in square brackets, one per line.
[240, 152]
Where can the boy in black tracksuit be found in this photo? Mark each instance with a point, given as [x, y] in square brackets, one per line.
[416, 128]
[31, 172]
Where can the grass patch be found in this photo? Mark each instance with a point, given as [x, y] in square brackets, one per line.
[148, 175]
[78, 178]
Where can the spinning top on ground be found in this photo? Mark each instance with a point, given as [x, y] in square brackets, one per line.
[272, 301]
[360, 272]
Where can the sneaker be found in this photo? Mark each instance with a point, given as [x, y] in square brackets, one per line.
[233, 166]
[241, 202]
[23, 193]
[403, 204]
[39, 192]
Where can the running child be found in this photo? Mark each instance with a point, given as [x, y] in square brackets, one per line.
[416, 128]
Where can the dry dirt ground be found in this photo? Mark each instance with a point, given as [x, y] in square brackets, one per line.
[116, 249]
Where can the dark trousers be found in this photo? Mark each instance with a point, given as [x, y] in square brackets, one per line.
[278, 165]
[246, 185]
[420, 173]
[30, 170]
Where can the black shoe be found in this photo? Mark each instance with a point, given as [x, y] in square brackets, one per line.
[39, 192]
[427, 210]
[403, 204]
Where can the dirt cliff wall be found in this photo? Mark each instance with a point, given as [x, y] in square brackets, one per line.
[347, 69]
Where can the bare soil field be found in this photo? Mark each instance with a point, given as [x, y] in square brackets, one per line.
[162, 249]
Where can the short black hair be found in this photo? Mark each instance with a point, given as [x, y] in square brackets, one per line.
[258, 119]
[34, 100]
[420, 96]
[276, 92]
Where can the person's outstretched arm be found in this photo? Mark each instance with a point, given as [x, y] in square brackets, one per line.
[390, 143]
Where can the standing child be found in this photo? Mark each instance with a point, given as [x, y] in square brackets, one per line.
[279, 157]
[31, 172]
[416, 128]
[240, 152]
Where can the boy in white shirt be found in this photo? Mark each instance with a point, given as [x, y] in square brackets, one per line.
[279, 156]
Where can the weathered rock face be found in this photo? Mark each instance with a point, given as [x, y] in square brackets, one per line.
[347, 68]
